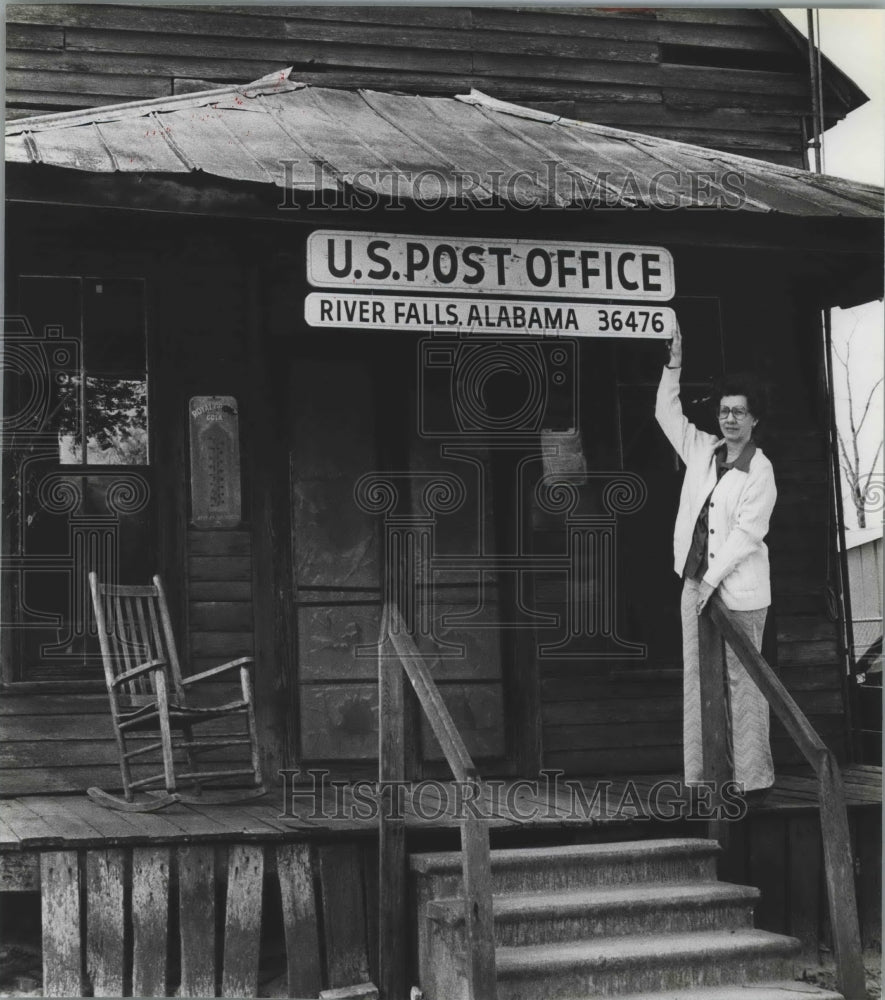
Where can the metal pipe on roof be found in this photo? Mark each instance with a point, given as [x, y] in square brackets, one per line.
[820, 95]
[817, 132]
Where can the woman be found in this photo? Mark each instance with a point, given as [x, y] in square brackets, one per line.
[727, 498]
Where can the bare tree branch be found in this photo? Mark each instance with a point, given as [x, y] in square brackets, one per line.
[866, 485]
[866, 408]
[858, 484]
[846, 461]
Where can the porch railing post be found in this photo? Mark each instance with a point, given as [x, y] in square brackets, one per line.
[714, 720]
[475, 848]
[479, 917]
[838, 867]
[839, 873]
[393, 931]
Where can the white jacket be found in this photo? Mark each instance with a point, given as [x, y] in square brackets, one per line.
[739, 513]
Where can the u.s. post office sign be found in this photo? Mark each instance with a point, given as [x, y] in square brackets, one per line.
[470, 266]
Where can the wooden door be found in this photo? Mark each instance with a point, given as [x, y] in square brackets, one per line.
[354, 445]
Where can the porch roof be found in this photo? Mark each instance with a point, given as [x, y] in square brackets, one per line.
[421, 149]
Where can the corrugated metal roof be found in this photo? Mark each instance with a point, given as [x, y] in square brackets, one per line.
[421, 149]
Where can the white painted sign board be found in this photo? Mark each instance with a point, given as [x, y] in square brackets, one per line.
[496, 266]
[422, 313]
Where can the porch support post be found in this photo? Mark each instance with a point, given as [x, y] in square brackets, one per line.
[714, 720]
[839, 872]
[393, 931]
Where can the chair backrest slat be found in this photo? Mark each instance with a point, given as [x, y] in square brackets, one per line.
[159, 641]
[108, 652]
[171, 652]
[116, 619]
[110, 619]
[149, 651]
[131, 637]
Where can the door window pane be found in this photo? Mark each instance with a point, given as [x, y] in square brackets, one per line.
[116, 421]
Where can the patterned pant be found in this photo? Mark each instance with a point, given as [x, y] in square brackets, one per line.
[746, 707]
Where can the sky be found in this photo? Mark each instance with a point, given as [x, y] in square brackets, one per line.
[855, 41]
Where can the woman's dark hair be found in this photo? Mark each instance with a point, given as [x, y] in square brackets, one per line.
[742, 384]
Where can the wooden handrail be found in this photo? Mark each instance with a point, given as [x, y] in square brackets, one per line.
[475, 853]
[838, 866]
[441, 721]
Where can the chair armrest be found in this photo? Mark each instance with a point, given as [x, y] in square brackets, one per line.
[142, 668]
[234, 664]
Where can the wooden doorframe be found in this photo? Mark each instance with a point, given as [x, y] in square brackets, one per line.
[277, 689]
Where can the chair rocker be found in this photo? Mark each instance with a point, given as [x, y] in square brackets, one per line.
[155, 710]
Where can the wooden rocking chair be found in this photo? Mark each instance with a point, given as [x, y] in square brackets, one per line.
[154, 710]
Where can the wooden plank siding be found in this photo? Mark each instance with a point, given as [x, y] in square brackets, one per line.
[220, 613]
[63, 742]
[621, 718]
[725, 79]
[595, 719]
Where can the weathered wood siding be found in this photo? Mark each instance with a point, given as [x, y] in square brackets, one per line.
[198, 318]
[728, 79]
[204, 280]
[626, 717]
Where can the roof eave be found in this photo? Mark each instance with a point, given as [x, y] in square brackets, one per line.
[840, 86]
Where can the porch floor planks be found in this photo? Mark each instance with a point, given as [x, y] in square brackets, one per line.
[550, 810]
[237, 820]
[47, 821]
[434, 804]
[430, 804]
[56, 812]
[269, 815]
[196, 825]
[510, 801]
[119, 827]
[30, 828]
[9, 839]
[338, 808]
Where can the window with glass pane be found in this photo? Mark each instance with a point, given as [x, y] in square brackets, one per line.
[77, 479]
[104, 402]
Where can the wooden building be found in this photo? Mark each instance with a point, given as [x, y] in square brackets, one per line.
[735, 80]
[175, 246]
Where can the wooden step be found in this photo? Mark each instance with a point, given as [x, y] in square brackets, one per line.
[537, 869]
[636, 964]
[610, 911]
[792, 990]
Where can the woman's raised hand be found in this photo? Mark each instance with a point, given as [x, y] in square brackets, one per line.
[676, 348]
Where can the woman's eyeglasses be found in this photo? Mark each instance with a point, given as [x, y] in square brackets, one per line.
[738, 412]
